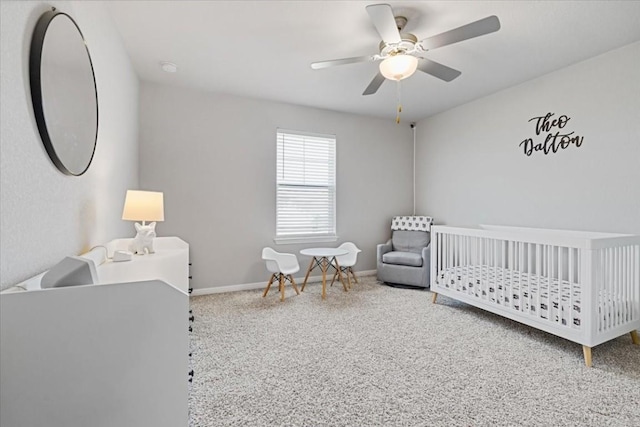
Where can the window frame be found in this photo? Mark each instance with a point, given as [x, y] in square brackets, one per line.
[332, 236]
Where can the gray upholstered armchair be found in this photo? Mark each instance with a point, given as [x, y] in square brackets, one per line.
[404, 259]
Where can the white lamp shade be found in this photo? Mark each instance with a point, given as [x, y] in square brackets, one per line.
[143, 206]
[398, 67]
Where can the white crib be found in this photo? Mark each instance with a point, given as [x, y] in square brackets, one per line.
[582, 286]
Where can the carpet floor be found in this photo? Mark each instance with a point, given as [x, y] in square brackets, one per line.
[384, 356]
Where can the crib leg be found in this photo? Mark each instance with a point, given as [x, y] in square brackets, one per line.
[634, 337]
[435, 297]
[587, 355]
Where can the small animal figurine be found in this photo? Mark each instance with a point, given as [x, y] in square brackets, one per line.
[143, 242]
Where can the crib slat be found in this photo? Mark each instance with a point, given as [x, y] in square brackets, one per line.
[560, 284]
[454, 239]
[601, 284]
[522, 270]
[483, 264]
[589, 270]
[451, 261]
[635, 282]
[470, 267]
[632, 284]
[463, 260]
[512, 272]
[487, 255]
[445, 253]
[625, 296]
[620, 311]
[482, 245]
[495, 268]
[612, 287]
[629, 296]
[487, 258]
[438, 253]
[466, 262]
[615, 309]
[553, 284]
[530, 275]
[552, 280]
[617, 301]
[611, 301]
[550, 288]
[625, 284]
[441, 238]
[603, 287]
[609, 263]
[538, 278]
[475, 263]
[570, 277]
[503, 271]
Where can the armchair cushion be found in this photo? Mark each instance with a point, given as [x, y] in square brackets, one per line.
[383, 249]
[410, 241]
[403, 258]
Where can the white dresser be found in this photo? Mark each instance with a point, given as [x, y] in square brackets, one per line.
[111, 354]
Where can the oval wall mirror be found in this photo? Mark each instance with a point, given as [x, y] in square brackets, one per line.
[63, 91]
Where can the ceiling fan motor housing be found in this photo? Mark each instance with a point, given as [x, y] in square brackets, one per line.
[407, 44]
[401, 21]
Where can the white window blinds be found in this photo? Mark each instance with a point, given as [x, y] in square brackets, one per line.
[306, 185]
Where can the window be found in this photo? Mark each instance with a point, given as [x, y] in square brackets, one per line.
[306, 187]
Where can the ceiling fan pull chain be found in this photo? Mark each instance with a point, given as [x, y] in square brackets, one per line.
[399, 103]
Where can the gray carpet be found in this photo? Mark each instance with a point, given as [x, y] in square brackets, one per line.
[385, 356]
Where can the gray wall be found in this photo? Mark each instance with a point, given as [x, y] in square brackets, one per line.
[46, 215]
[214, 156]
[471, 169]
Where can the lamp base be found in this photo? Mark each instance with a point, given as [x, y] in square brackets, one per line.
[143, 242]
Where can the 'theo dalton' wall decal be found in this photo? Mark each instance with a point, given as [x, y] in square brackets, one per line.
[554, 139]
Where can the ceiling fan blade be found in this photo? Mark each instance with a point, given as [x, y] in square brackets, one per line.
[438, 70]
[374, 85]
[469, 31]
[384, 21]
[334, 62]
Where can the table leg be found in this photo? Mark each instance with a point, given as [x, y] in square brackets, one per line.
[281, 287]
[308, 271]
[268, 285]
[340, 274]
[334, 277]
[324, 266]
[293, 283]
[353, 274]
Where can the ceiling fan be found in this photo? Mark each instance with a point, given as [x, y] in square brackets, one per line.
[401, 54]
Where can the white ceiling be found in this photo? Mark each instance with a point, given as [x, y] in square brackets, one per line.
[263, 49]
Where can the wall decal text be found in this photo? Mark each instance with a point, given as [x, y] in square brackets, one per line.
[555, 136]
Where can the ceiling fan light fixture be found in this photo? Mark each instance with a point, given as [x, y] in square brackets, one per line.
[398, 67]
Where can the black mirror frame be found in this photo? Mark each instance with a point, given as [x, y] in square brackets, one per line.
[35, 63]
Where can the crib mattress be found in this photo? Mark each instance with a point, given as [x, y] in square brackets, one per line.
[538, 295]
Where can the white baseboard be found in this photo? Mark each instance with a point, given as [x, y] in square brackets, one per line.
[261, 285]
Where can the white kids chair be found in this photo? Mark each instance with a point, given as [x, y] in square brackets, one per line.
[281, 266]
[347, 261]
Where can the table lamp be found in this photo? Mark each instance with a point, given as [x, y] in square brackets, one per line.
[143, 206]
